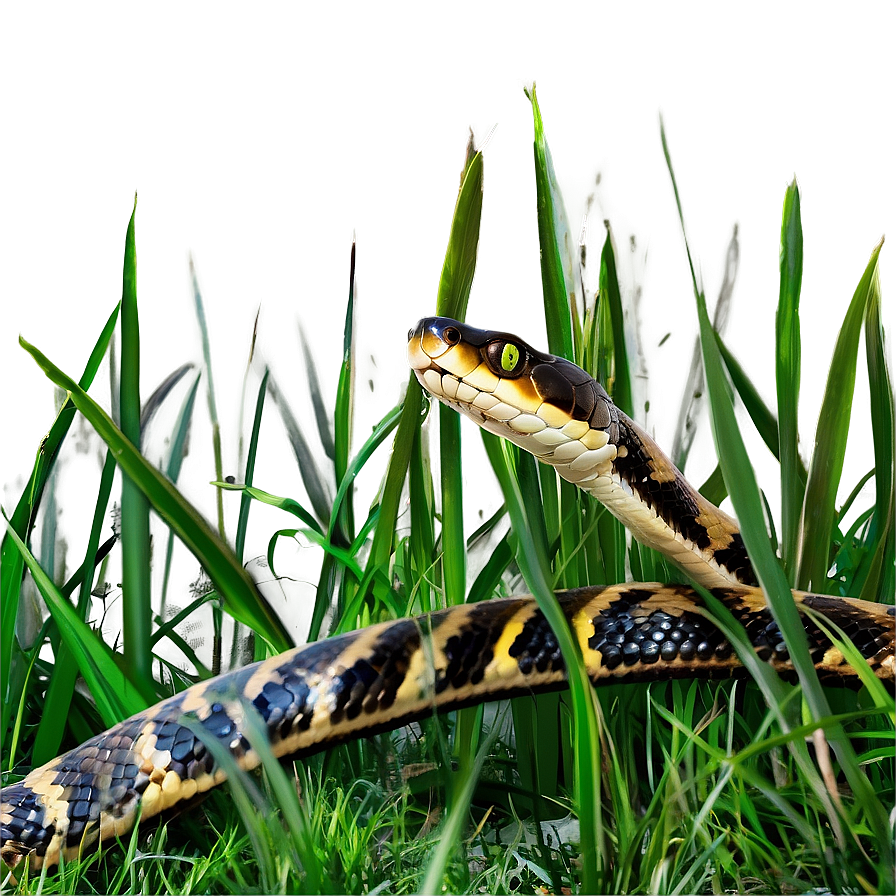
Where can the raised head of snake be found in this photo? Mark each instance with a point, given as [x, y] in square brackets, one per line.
[555, 410]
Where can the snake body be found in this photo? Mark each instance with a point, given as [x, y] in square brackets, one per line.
[393, 673]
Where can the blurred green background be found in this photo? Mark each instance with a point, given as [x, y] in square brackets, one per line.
[262, 135]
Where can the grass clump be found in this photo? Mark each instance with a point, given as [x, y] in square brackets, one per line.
[752, 785]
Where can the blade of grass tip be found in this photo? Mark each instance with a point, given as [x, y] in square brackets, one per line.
[344, 413]
[160, 393]
[58, 698]
[11, 563]
[212, 403]
[879, 581]
[312, 478]
[249, 476]
[232, 582]
[558, 286]
[135, 545]
[455, 283]
[787, 377]
[762, 417]
[692, 398]
[585, 726]
[826, 466]
[617, 374]
[317, 399]
[242, 411]
[116, 697]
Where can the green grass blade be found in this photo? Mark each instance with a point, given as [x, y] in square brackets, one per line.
[317, 399]
[11, 563]
[380, 433]
[459, 266]
[241, 597]
[831, 434]
[616, 373]
[762, 417]
[343, 417]
[787, 377]
[116, 698]
[384, 534]
[458, 270]
[554, 239]
[136, 590]
[694, 392]
[309, 531]
[160, 393]
[879, 581]
[747, 500]
[210, 393]
[249, 476]
[313, 480]
[58, 698]
[455, 823]
[585, 725]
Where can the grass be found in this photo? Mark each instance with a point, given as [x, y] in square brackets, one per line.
[752, 785]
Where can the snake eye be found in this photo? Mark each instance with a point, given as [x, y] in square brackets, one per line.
[451, 335]
[506, 358]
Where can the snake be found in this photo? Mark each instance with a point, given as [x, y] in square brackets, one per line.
[393, 673]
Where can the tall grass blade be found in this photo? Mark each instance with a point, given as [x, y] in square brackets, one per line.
[344, 415]
[240, 596]
[136, 589]
[12, 669]
[762, 417]
[384, 534]
[557, 249]
[210, 391]
[249, 475]
[380, 433]
[787, 377]
[160, 393]
[455, 283]
[312, 478]
[747, 501]
[881, 566]
[692, 398]
[116, 697]
[58, 698]
[614, 373]
[826, 467]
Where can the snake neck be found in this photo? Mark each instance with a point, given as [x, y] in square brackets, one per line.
[647, 492]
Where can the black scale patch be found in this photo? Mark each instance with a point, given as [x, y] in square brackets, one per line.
[536, 647]
[372, 683]
[27, 822]
[469, 652]
[625, 636]
[867, 635]
[675, 505]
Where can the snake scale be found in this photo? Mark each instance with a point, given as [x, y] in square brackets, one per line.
[389, 674]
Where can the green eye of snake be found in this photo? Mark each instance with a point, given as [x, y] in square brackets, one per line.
[510, 356]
